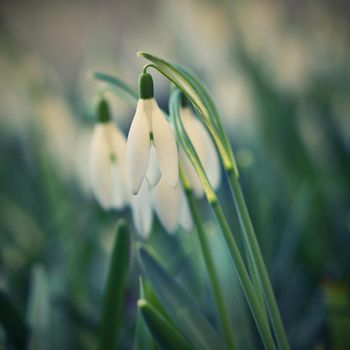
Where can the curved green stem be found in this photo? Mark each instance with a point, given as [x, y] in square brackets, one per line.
[253, 301]
[209, 262]
[254, 250]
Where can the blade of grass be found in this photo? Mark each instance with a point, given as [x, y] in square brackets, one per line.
[182, 308]
[38, 310]
[118, 83]
[212, 271]
[143, 337]
[111, 314]
[255, 252]
[165, 334]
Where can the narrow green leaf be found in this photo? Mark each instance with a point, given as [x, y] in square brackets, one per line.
[122, 88]
[38, 310]
[111, 314]
[12, 322]
[181, 307]
[151, 297]
[166, 335]
[143, 337]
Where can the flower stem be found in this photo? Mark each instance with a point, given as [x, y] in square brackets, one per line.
[220, 303]
[254, 304]
[255, 252]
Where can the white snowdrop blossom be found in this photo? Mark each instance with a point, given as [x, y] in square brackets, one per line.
[205, 149]
[107, 162]
[151, 147]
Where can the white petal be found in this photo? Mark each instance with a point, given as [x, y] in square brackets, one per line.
[118, 141]
[142, 211]
[104, 168]
[153, 171]
[166, 202]
[137, 148]
[166, 148]
[204, 147]
[185, 218]
[191, 174]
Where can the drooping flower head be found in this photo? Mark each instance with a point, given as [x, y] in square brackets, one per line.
[151, 146]
[107, 161]
[205, 149]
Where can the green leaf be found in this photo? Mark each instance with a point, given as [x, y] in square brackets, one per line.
[124, 90]
[149, 295]
[143, 337]
[38, 310]
[181, 307]
[115, 287]
[12, 322]
[166, 335]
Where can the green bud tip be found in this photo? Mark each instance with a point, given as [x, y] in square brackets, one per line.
[141, 303]
[103, 114]
[146, 86]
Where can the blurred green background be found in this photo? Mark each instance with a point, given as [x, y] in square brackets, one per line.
[279, 72]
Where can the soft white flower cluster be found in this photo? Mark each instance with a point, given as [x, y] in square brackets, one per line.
[143, 171]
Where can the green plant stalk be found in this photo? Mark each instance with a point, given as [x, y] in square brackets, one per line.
[209, 112]
[220, 303]
[257, 268]
[254, 304]
[131, 91]
[254, 250]
[254, 275]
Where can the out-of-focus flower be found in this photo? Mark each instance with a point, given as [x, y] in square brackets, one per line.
[107, 162]
[150, 135]
[206, 151]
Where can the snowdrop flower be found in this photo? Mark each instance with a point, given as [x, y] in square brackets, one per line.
[107, 162]
[170, 205]
[205, 149]
[151, 147]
